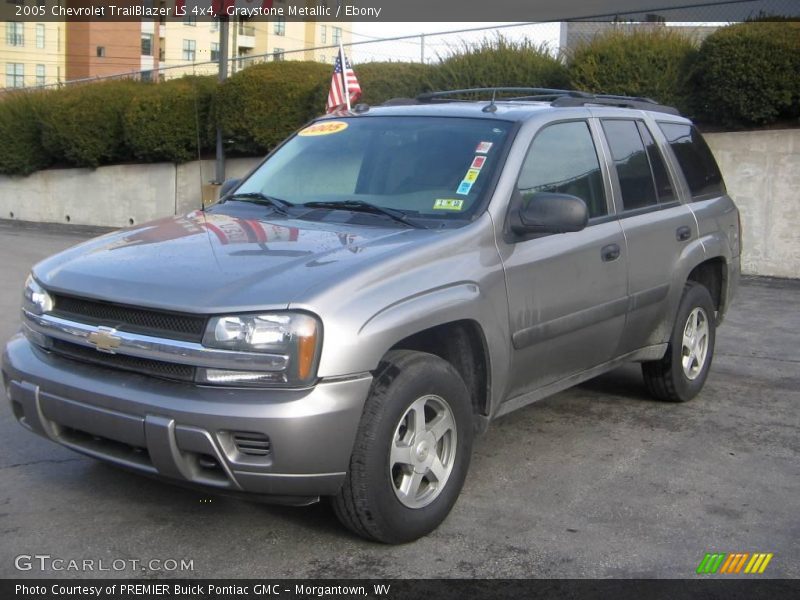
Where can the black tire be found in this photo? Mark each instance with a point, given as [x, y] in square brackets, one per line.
[367, 504]
[666, 379]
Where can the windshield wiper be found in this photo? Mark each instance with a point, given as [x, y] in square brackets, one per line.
[279, 205]
[366, 207]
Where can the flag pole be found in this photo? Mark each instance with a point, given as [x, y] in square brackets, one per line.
[343, 60]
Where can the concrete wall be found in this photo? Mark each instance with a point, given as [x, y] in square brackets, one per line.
[762, 172]
[115, 196]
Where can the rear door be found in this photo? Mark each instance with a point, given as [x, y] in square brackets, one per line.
[567, 293]
[656, 225]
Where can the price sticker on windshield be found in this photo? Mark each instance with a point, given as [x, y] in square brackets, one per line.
[324, 128]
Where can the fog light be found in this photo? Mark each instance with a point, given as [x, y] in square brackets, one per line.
[246, 378]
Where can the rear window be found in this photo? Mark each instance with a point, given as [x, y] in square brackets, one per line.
[695, 159]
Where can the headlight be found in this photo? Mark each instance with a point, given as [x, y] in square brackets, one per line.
[290, 343]
[35, 299]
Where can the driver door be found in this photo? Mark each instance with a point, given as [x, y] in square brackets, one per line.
[567, 293]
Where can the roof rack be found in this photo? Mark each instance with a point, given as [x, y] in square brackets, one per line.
[556, 97]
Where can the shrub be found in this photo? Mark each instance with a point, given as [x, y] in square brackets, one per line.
[747, 74]
[161, 122]
[84, 124]
[654, 63]
[500, 62]
[21, 115]
[261, 105]
[382, 81]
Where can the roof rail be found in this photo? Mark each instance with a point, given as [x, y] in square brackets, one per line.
[443, 95]
[556, 97]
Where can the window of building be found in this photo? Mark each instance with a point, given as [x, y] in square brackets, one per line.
[277, 54]
[633, 168]
[562, 159]
[695, 159]
[40, 75]
[189, 50]
[147, 44]
[15, 33]
[39, 35]
[323, 34]
[280, 26]
[337, 35]
[15, 75]
[215, 24]
[101, 51]
[190, 21]
[214, 50]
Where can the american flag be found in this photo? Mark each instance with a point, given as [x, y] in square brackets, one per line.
[337, 99]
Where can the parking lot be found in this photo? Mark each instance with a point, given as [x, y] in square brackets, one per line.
[598, 481]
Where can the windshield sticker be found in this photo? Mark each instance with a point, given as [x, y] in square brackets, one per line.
[477, 162]
[464, 188]
[448, 204]
[472, 175]
[324, 128]
[483, 148]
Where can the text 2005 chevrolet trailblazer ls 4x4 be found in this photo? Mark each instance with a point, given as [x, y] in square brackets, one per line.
[380, 288]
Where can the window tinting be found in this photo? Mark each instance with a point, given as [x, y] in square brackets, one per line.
[562, 159]
[633, 167]
[664, 188]
[695, 159]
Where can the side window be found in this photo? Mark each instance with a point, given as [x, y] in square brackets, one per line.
[562, 159]
[664, 189]
[695, 159]
[633, 166]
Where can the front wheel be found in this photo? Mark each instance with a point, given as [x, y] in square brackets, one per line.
[680, 375]
[412, 450]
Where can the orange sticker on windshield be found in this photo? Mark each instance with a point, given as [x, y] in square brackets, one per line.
[323, 128]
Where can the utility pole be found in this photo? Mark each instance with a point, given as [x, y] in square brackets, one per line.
[223, 75]
[422, 48]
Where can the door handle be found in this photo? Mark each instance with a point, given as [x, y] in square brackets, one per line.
[683, 233]
[610, 252]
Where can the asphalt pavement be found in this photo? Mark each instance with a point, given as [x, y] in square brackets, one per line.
[598, 481]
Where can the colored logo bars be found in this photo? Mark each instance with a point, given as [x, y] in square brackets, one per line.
[734, 563]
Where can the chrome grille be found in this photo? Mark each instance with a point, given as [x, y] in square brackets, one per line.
[145, 366]
[180, 326]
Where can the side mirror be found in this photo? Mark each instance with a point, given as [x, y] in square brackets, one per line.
[228, 186]
[550, 213]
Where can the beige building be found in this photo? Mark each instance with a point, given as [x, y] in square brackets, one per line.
[32, 54]
[36, 54]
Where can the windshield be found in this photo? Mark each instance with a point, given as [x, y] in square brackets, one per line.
[423, 166]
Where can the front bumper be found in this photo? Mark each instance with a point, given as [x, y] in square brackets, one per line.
[190, 434]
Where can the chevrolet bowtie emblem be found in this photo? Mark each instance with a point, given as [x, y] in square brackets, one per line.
[104, 339]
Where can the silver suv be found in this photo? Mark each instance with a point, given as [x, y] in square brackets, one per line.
[382, 286]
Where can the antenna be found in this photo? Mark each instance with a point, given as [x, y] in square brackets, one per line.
[199, 154]
[491, 107]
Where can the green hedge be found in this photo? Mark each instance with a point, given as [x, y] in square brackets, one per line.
[21, 116]
[259, 106]
[500, 62]
[742, 75]
[749, 74]
[161, 121]
[83, 125]
[382, 81]
[654, 63]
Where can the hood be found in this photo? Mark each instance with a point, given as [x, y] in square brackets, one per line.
[220, 260]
